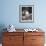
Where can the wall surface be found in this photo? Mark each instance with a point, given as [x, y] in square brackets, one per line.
[9, 13]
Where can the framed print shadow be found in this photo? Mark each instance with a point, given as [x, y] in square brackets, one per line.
[26, 13]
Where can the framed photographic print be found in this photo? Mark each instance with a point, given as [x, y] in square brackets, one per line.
[26, 13]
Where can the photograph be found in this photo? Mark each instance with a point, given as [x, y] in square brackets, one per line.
[26, 13]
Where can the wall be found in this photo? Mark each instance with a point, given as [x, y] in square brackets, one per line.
[9, 13]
